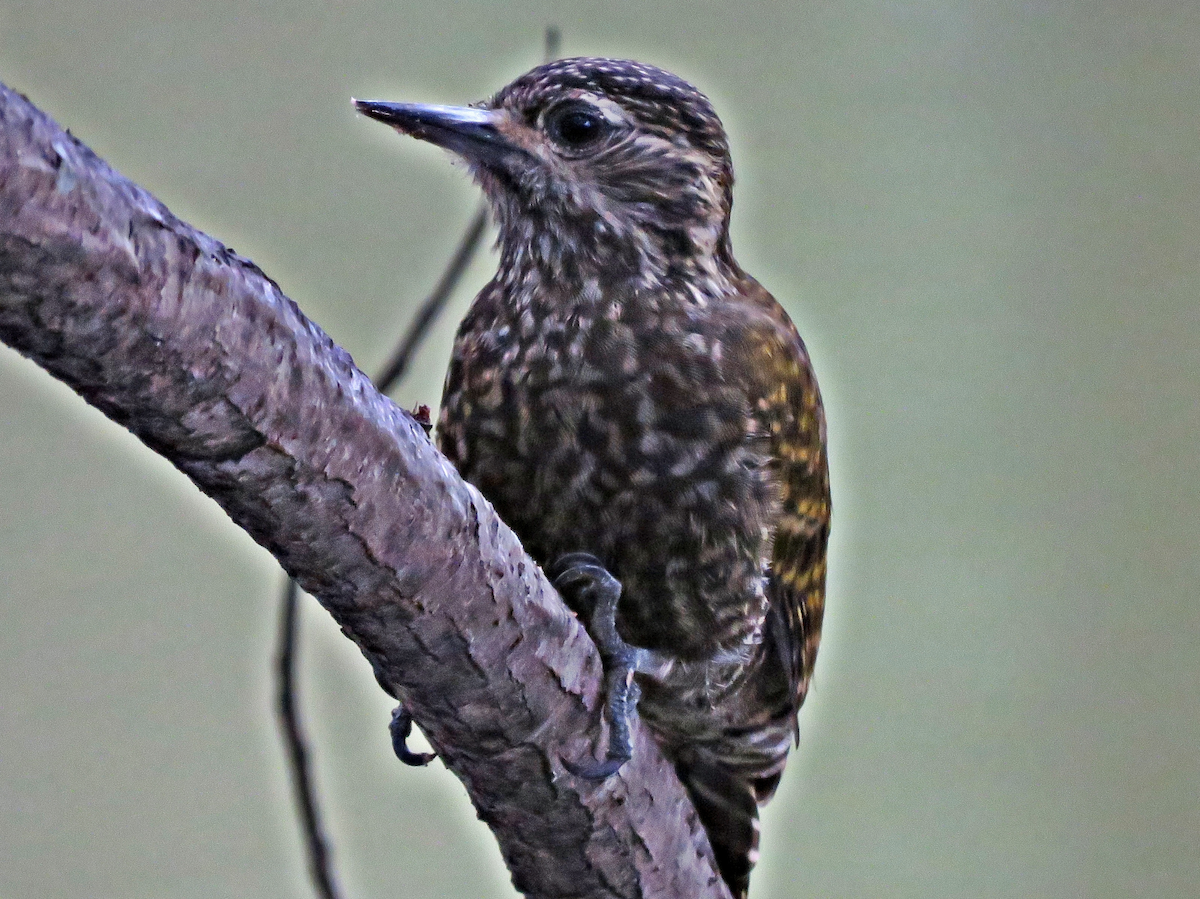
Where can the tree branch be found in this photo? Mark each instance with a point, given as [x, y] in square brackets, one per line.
[198, 353]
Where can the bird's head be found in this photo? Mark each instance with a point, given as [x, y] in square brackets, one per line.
[593, 165]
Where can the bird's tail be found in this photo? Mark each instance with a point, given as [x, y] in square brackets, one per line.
[728, 808]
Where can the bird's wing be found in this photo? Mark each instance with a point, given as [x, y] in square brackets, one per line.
[788, 408]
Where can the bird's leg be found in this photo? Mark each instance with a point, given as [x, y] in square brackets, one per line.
[401, 728]
[593, 592]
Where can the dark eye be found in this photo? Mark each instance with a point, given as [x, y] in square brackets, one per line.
[576, 126]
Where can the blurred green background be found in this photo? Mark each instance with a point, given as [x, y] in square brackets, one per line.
[984, 218]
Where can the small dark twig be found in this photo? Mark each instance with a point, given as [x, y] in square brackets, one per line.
[285, 668]
[553, 43]
[398, 364]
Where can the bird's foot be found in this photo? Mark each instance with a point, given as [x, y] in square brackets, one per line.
[401, 729]
[590, 589]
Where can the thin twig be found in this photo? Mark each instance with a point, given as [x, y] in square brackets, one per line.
[553, 43]
[398, 364]
[297, 750]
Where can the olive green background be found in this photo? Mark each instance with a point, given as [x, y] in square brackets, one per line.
[983, 216]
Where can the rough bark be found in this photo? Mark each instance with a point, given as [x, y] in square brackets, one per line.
[193, 349]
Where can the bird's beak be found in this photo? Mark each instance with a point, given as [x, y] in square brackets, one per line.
[465, 130]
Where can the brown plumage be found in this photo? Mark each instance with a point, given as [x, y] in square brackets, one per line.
[622, 388]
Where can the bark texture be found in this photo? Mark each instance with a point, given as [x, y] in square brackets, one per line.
[197, 352]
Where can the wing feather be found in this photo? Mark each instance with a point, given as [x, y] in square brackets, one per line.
[789, 410]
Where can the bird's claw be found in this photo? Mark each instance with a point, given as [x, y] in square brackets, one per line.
[589, 588]
[401, 729]
[596, 771]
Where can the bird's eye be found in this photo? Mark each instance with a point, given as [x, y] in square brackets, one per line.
[576, 127]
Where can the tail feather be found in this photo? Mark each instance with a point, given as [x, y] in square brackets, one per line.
[728, 810]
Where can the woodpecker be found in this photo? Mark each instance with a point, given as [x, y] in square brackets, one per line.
[645, 417]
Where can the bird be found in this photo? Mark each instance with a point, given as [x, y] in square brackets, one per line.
[645, 416]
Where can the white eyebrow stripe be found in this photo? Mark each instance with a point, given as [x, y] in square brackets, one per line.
[612, 111]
